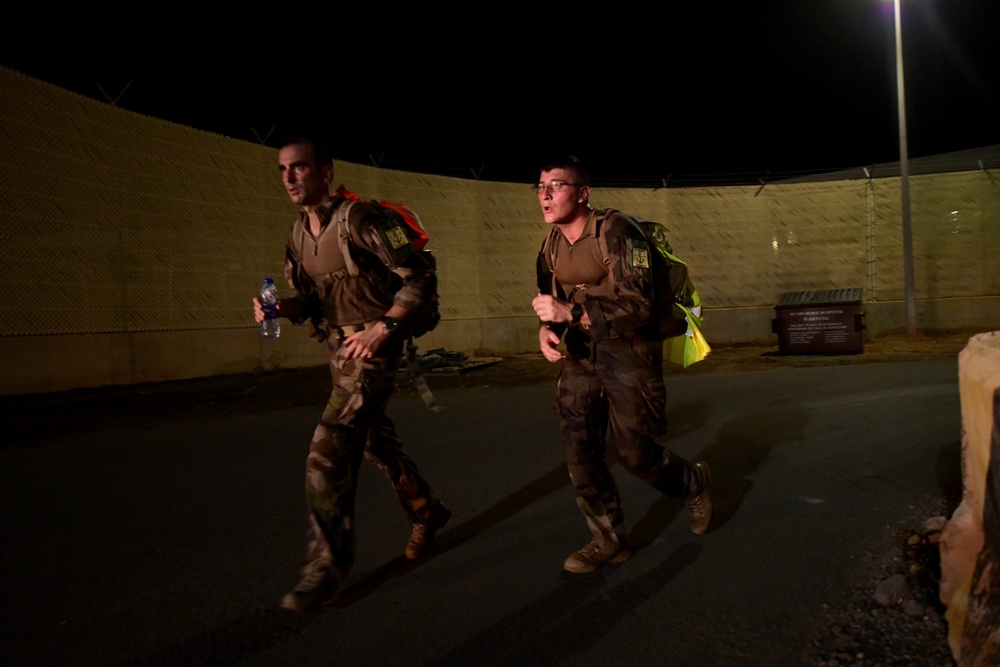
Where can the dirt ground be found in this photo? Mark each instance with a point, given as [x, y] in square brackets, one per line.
[895, 347]
[532, 367]
[31, 419]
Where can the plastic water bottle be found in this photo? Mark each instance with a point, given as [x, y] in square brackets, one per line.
[271, 326]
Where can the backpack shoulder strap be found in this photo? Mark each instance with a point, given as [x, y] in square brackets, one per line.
[549, 251]
[297, 240]
[602, 241]
[549, 247]
[341, 218]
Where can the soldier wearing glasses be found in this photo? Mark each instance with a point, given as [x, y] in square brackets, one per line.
[612, 372]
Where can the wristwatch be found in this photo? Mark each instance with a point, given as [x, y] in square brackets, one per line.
[577, 312]
[391, 323]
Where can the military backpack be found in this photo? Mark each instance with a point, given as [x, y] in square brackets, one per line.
[675, 297]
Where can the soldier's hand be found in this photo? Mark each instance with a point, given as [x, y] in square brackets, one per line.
[364, 344]
[551, 309]
[547, 342]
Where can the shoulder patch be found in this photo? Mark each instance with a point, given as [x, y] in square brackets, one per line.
[397, 237]
[640, 258]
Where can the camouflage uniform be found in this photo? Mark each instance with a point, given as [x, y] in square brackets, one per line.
[613, 376]
[353, 424]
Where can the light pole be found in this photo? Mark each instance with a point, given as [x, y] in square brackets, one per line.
[904, 176]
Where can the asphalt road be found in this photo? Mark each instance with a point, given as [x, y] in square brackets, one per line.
[171, 542]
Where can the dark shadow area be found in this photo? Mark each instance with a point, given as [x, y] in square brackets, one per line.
[740, 446]
[685, 418]
[453, 537]
[660, 514]
[30, 419]
[231, 643]
[262, 629]
[569, 619]
[265, 628]
[949, 473]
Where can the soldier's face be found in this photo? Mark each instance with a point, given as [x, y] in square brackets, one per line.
[561, 204]
[307, 183]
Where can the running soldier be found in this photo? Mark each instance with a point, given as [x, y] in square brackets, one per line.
[612, 371]
[362, 319]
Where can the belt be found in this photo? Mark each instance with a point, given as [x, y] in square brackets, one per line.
[351, 329]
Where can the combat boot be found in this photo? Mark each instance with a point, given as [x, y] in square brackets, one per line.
[422, 537]
[699, 503]
[593, 556]
[316, 590]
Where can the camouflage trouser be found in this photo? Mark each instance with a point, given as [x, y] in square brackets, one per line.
[353, 425]
[621, 385]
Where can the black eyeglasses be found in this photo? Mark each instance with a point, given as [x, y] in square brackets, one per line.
[554, 186]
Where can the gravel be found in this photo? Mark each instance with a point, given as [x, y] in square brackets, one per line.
[896, 618]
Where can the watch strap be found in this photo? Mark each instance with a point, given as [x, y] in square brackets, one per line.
[391, 323]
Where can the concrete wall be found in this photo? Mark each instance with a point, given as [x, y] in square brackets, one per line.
[132, 247]
[970, 543]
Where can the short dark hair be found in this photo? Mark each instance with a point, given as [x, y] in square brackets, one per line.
[570, 163]
[321, 153]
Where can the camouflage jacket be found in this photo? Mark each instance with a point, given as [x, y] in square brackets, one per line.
[389, 272]
[582, 278]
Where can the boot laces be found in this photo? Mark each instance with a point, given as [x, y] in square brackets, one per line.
[696, 506]
[419, 534]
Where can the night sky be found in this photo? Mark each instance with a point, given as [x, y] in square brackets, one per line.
[714, 94]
